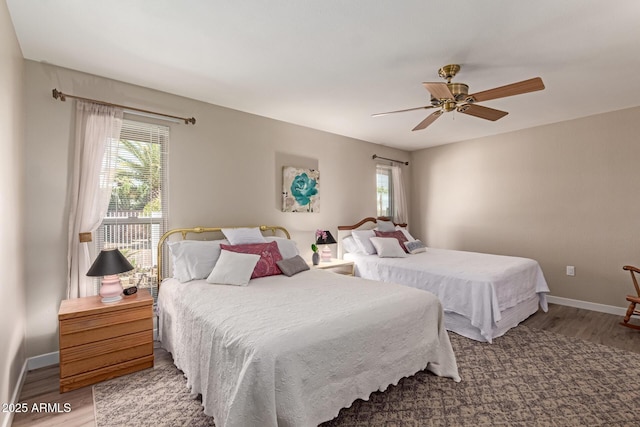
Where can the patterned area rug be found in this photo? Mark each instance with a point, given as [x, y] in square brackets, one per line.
[153, 397]
[528, 377]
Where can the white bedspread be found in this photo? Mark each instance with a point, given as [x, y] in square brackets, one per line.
[475, 285]
[294, 351]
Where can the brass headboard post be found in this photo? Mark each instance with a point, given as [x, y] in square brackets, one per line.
[198, 230]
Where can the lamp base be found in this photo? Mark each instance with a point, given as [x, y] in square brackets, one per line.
[111, 289]
[326, 254]
[108, 300]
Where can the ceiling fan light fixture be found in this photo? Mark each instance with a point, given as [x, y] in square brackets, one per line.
[449, 106]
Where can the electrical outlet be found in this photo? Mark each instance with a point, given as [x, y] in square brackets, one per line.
[571, 270]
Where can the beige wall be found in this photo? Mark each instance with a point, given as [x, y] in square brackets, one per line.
[224, 171]
[563, 194]
[12, 285]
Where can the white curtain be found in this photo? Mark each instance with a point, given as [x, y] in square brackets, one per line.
[97, 135]
[400, 214]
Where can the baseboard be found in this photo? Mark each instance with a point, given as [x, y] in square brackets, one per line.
[7, 421]
[43, 360]
[602, 308]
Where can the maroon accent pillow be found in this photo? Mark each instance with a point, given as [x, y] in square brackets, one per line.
[397, 234]
[269, 256]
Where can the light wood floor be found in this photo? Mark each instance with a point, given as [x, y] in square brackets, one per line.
[41, 385]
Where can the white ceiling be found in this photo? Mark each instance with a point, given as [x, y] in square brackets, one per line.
[330, 64]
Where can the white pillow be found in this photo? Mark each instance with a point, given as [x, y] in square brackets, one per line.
[233, 268]
[287, 247]
[388, 247]
[362, 239]
[243, 236]
[194, 259]
[349, 245]
[385, 225]
[406, 233]
[415, 247]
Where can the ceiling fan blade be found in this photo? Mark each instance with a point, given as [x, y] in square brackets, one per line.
[438, 90]
[430, 119]
[524, 86]
[482, 112]
[426, 107]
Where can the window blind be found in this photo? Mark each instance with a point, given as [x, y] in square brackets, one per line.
[138, 209]
[384, 191]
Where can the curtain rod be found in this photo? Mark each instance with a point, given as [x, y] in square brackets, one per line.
[63, 97]
[375, 156]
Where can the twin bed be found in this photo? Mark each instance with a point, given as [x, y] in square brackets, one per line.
[289, 351]
[483, 295]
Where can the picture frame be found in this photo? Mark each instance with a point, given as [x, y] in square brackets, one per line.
[300, 189]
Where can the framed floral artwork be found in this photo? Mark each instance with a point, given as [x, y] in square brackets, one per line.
[300, 189]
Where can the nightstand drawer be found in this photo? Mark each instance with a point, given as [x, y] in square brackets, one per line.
[88, 357]
[107, 319]
[105, 373]
[105, 332]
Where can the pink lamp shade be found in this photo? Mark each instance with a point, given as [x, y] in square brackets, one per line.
[109, 263]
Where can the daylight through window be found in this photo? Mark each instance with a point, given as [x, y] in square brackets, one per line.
[137, 214]
[384, 191]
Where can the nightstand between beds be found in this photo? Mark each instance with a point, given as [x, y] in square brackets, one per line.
[336, 265]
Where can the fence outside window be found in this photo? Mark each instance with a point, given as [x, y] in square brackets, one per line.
[137, 238]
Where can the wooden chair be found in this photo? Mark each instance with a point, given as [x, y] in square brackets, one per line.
[633, 300]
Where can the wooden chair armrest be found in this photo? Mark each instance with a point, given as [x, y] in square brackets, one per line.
[632, 268]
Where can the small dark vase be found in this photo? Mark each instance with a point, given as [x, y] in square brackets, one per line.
[315, 258]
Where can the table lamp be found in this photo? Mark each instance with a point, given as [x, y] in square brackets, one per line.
[110, 263]
[325, 238]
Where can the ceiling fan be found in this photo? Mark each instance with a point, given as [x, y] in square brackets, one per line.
[450, 96]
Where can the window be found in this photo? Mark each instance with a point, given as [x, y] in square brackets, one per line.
[137, 214]
[384, 191]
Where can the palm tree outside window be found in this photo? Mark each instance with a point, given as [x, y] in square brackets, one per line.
[137, 214]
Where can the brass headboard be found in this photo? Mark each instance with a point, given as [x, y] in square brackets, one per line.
[198, 230]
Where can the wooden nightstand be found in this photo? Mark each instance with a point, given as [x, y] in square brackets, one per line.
[336, 265]
[100, 341]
